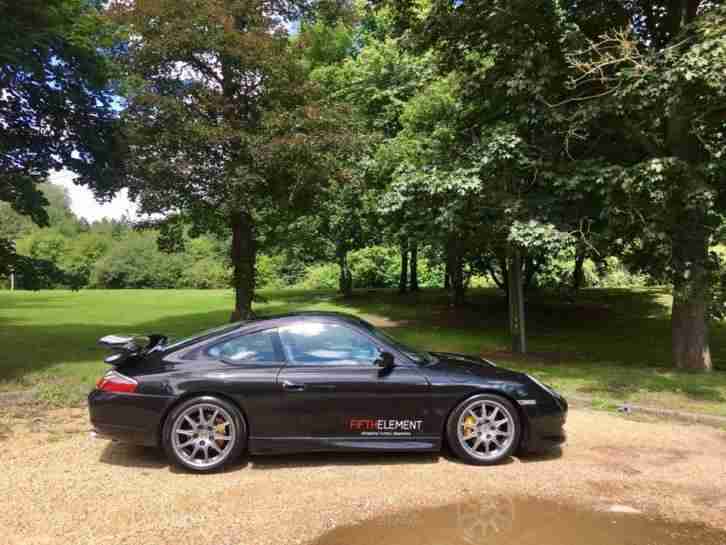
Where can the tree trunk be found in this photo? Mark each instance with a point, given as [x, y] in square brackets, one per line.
[516, 302]
[457, 281]
[690, 245]
[447, 274]
[414, 267]
[530, 269]
[345, 280]
[244, 255]
[456, 266]
[500, 258]
[403, 278]
[577, 273]
[691, 294]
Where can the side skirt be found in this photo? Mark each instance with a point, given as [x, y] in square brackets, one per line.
[268, 445]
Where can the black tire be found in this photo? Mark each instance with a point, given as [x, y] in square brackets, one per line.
[230, 452]
[457, 444]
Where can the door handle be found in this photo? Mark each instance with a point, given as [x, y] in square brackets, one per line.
[327, 387]
[292, 386]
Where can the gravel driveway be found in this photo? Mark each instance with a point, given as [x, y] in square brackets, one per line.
[61, 486]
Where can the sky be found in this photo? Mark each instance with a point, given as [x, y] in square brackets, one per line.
[85, 206]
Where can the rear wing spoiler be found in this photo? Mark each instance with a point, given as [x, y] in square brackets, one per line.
[127, 347]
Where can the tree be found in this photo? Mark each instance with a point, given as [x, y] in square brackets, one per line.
[56, 101]
[622, 101]
[659, 85]
[223, 123]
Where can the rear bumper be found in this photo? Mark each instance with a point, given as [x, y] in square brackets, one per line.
[125, 435]
[131, 418]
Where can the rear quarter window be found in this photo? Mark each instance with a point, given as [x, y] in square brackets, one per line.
[252, 347]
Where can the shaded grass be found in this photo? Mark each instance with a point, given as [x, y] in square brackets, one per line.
[613, 345]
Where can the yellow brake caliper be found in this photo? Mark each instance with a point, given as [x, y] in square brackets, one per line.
[469, 424]
[220, 429]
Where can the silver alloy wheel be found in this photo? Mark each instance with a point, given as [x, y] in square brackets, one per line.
[485, 429]
[203, 435]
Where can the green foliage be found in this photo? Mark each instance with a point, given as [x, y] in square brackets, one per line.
[224, 125]
[136, 262]
[375, 267]
[371, 267]
[269, 271]
[326, 44]
[79, 260]
[430, 273]
[321, 276]
[605, 122]
[48, 244]
[203, 273]
[613, 274]
[56, 104]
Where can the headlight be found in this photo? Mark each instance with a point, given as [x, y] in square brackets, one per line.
[546, 388]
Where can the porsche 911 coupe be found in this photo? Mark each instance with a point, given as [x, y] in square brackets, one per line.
[315, 381]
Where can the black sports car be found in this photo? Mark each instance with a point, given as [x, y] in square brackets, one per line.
[315, 381]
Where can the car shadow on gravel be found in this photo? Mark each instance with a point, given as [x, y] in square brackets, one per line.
[150, 458]
[125, 455]
[120, 454]
[323, 459]
[547, 456]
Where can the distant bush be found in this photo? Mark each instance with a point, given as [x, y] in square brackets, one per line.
[205, 273]
[613, 274]
[375, 267]
[481, 281]
[320, 276]
[270, 271]
[430, 275]
[136, 262]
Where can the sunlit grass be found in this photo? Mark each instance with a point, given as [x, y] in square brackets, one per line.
[613, 345]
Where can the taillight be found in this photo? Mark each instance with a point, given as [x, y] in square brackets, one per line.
[113, 381]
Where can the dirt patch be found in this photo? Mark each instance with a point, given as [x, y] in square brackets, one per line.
[659, 457]
[42, 424]
[76, 489]
[382, 321]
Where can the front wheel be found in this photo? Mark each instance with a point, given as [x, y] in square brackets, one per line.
[204, 433]
[484, 429]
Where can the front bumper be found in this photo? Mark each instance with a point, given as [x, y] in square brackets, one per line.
[546, 426]
[131, 418]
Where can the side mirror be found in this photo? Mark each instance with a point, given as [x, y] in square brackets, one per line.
[386, 361]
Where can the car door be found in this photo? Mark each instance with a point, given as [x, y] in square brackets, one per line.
[333, 388]
[244, 366]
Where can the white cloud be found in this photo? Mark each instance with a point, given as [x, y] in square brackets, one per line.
[84, 205]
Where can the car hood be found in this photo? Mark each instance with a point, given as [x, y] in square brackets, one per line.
[451, 363]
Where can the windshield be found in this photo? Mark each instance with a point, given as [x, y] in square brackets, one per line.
[416, 355]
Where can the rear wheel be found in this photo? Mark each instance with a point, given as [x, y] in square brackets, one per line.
[204, 433]
[484, 429]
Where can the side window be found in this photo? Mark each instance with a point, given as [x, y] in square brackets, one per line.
[317, 343]
[246, 348]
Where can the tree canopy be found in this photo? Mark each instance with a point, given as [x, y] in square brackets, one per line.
[56, 101]
[223, 124]
[528, 141]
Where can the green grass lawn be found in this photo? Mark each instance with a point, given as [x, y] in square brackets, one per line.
[613, 345]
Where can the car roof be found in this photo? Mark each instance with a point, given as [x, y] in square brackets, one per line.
[241, 326]
[328, 316]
